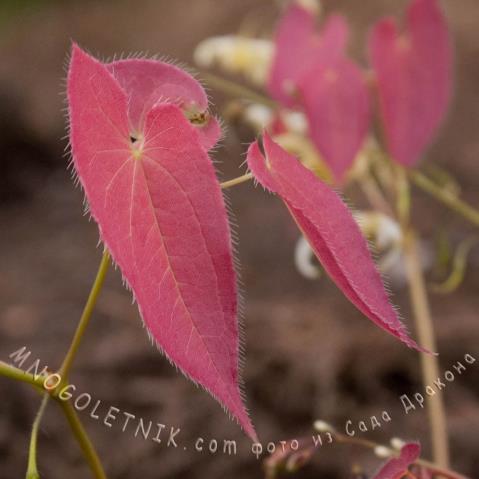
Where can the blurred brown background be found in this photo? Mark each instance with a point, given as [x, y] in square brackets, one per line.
[309, 354]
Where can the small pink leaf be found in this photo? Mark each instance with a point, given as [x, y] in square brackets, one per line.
[336, 101]
[414, 78]
[150, 82]
[331, 230]
[396, 467]
[299, 47]
[161, 214]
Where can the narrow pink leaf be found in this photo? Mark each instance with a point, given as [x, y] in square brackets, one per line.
[299, 47]
[150, 82]
[331, 230]
[396, 467]
[161, 214]
[414, 78]
[336, 101]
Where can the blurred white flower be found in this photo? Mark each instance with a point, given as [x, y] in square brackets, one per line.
[262, 116]
[258, 116]
[295, 122]
[386, 235]
[397, 443]
[236, 54]
[323, 426]
[382, 452]
[304, 259]
[312, 5]
[382, 229]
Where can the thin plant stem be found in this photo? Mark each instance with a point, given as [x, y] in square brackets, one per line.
[86, 315]
[375, 196]
[32, 470]
[429, 362]
[83, 440]
[449, 199]
[236, 90]
[423, 319]
[19, 375]
[236, 181]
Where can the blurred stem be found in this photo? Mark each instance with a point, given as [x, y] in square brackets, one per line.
[429, 362]
[236, 181]
[444, 196]
[403, 196]
[32, 471]
[237, 90]
[374, 195]
[423, 319]
[86, 315]
[459, 265]
[83, 440]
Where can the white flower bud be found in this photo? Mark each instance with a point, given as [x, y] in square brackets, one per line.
[382, 451]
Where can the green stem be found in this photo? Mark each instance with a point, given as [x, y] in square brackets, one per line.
[236, 90]
[83, 440]
[32, 470]
[19, 375]
[236, 181]
[86, 315]
[75, 424]
[445, 197]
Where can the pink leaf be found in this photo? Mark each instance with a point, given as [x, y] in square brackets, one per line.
[397, 467]
[161, 214]
[331, 230]
[414, 78]
[336, 101]
[150, 82]
[299, 47]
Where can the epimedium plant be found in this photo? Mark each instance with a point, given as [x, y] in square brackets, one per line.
[141, 135]
[151, 186]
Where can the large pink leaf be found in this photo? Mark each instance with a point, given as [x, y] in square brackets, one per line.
[414, 78]
[336, 101]
[331, 230]
[397, 467]
[161, 214]
[298, 47]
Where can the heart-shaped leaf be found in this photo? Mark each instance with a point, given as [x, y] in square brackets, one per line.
[152, 189]
[396, 467]
[414, 78]
[331, 230]
[298, 47]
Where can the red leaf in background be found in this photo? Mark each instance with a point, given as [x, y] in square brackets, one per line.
[299, 47]
[331, 230]
[336, 101]
[160, 212]
[414, 78]
[397, 467]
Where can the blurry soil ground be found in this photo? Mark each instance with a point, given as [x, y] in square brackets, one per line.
[309, 354]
